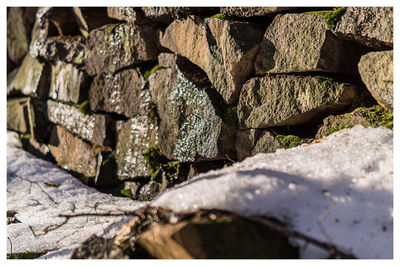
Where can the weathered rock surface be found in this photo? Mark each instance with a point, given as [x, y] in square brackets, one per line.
[72, 153]
[249, 142]
[55, 36]
[191, 126]
[217, 46]
[95, 128]
[134, 138]
[302, 43]
[254, 11]
[68, 83]
[372, 26]
[89, 18]
[28, 116]
[19, 26]
[290, 100]
[376, 70]
[112, 47]
[32, 78]
[121, 93]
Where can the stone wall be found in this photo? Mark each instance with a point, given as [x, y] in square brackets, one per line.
[134, 100]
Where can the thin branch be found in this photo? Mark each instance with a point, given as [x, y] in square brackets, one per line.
[333, 251]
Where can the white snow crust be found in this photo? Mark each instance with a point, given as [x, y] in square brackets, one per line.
[338, 191]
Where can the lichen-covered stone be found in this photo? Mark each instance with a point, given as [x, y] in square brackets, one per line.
[72, 153]
[191, 127]
[247, 11]
[224, 49]
[167, 14]
[376, 70]
[55, 36]
[96, 128]
[368, 117]
[18, 34]
[112, 47]
[28, 116]
[68, 83]
[372, 26]
[290, 100]
[121, 93]
[32, 78]
[302, 43]
[134, 138]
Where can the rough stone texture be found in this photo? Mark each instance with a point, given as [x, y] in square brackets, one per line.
[249, 142]
[134, 138]
[121, 93]
[372, 26]
[168, 14]
[266, 143]
[302, 43]
[217, 46]
[68, 83]
[55, 36]
[32, 78]
[10, 81]
[376, 70]
[95, 128]
[72, 153]
[112, 47]
[28, 116]
[167, 60]
[19, 27]
[191, 128]
[254, 11]
[290, 100]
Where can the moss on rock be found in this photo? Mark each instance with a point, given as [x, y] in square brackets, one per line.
[26, 255]
[289, 141]
[330, 17]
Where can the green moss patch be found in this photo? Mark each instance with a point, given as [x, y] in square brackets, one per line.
[161, 166]
[220, 16]
[151, 71]
[26, 255]
[331, 17]
[289, 141]
[84, 107]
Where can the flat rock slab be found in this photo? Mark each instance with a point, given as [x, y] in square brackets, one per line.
[112, 47]
[39, 192]
[28, 116]
[303, 43]
[135, 137]
[68, 83]
[191, 127]
[72, 153]
[95, 128]
[224, 49]
[290, 100]
[32, 78]
[339, 191]
[371, 26]
[122, 93]
[376, 70]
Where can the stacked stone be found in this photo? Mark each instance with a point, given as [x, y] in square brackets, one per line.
[104, 91]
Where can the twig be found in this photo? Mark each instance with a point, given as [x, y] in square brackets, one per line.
[333, 251]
